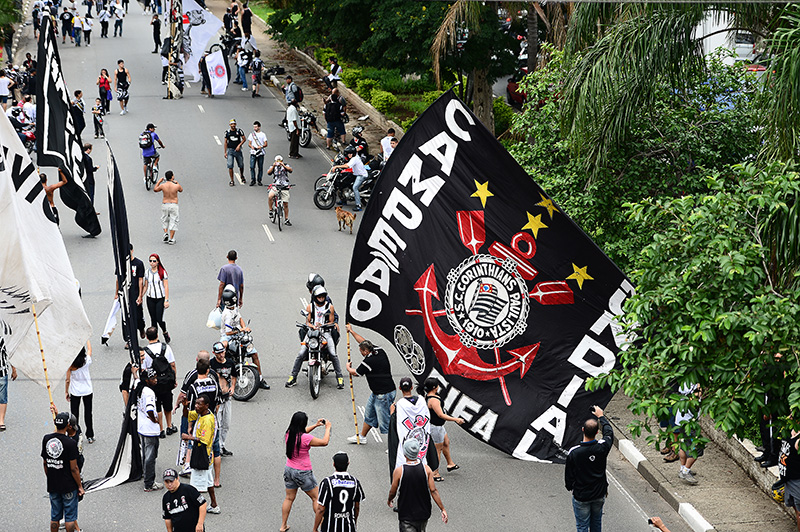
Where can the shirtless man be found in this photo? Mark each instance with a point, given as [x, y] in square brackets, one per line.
[49, 189]
[169, 205]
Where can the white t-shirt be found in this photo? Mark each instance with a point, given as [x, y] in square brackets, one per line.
[231, 320]
[257, 139]
[386, 144]
[291, 116]
[4, 83]
[156, 349]
[147, 403]
[685, 416]
[80, 383]
[357, 165]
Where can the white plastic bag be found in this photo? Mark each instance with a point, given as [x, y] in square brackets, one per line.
[214, 319]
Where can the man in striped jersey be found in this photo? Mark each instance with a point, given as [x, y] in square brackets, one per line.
[339, 501]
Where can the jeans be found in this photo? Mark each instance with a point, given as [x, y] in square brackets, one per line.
[77, 36]
[243, 76]
[359, 180]
[118, 26]
[588, 515]
[301, 357]
[64, 506]
[256, 160]
[377, 412]
[149, 455]
[224, 420]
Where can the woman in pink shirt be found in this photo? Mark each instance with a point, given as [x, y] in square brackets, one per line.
[298, 473]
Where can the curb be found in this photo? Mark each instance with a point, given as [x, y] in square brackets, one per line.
[657, 481]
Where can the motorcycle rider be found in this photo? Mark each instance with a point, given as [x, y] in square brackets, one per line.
[232, 323]
[359, 171]
[359, 143]
[314, 280]
[320, 311]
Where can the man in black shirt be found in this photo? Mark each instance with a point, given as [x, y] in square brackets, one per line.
[234, 138]
[60, 457]
[135, 296]
[585, 472]
[414, 480]
[378, 371]
[339, 501]
[226, 371]
[183, 507]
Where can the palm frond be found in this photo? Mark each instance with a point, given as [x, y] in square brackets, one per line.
[460, 12]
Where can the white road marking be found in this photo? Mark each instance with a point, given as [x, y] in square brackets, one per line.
[219, 142]
[304, 302]
[627, 495]
[373, 430]
[269, 233]
[187, 85]
[201, 109]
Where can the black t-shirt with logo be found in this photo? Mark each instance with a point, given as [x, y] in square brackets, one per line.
[789, 460]
[58, 450]
[66, 18]
[225, 370]
[234, 137]
[182, 508]
[205, 385]
[378, 372]
[137, 272]
[338, 493]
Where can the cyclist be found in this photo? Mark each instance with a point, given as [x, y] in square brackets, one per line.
[147, 142]
[280, 170]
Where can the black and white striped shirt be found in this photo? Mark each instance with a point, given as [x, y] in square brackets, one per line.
[155, 285]
[339, 493]
[3, 358]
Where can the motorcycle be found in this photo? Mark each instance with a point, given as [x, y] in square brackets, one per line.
[29, 132]
[339, 183]
[248, 382]
[307, 121]
[318, 363]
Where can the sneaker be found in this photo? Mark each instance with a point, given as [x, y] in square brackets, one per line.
[687, 477]
[90, 439]
[358, 439]
[226, 452]
[214, 510]
[272, 215]
[287, 223]
[264, 385]
[171, 430]
[340, 384]
[291, 382]
[162, 435]
[166, 334]
[171, 242]
[104, 340]
[357, 208]
[122, 112]
[155, 487]
[244, 89]
[166, 237]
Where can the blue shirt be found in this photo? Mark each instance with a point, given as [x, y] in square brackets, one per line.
[151, 151]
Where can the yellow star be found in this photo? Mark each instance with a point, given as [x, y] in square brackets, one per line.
[580, 275]
[534, 224]
[547, 203]
[482, 192]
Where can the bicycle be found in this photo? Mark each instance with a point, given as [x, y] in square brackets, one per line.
[278, 207]
[151, 172]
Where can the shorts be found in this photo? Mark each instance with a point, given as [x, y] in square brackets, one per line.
[284, 194]
[688, 440]
[413, 526]
[377, 413]
[170, 216]
[64, 506]
[669, 422]
[4, 390]
[202, 479]
[163, 401]
[237, 155]
[298, 478]
[334, 127]
[438, 434]
[256, 78]
[215, 448]
[791, 494]
[122, 94]
[4, 99]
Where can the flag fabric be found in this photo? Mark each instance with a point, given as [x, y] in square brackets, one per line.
[111, 321]
[57, 143]
[218, 72]
[413, 421]
[35, 271]
[126, 465]
[481, 281]
[199, 26]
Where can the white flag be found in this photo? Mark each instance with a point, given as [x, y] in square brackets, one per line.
[199, 26]
[413, 421]
[35, 270]
[217, 72]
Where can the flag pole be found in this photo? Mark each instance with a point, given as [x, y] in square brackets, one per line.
[352, 393]
[41, 350]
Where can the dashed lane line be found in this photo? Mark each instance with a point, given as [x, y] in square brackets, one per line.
[269, 233]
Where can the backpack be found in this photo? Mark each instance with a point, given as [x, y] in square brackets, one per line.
[163, 369]
[333, 111]
[146, 140]
[298, 94]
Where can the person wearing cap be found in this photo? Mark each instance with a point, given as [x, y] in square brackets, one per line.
[182, 506]
[226, 371]
[280, 172]
[150, 152]
[149, 429]
[293, 123]
[60, 457]
[234, 139]
[339, 499]
[412, 422]
[414, 482]
[378, 371]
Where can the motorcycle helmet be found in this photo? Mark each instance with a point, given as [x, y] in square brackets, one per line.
[357, 131]
[778, 491]
[314, 279]
[319, 290]
[229, 298]
[350, 151]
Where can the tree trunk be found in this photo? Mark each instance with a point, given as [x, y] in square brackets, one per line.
[533, 38]
[482, 98]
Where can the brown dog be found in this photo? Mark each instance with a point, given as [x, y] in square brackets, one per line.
[345, 219]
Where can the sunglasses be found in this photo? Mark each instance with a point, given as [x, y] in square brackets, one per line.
[153, 260]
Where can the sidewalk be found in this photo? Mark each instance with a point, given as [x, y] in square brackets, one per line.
[725, 496]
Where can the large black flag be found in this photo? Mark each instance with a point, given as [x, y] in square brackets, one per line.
[127, 463]
[57, 144]
[483, 282]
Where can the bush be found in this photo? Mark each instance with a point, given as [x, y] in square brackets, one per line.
[366, 86]
[383, 101]
[322, 55]
[430, 97]
[350, 76]
[406, 124]
[503, 115]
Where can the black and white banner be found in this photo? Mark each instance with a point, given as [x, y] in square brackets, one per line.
[481, 281]
[34, 271]
[57, 144]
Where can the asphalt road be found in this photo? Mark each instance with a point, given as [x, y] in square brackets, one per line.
[491, 491]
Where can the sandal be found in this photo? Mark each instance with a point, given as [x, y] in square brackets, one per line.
[231, 184]
[453, 468]
[438, 479]
[2, 428]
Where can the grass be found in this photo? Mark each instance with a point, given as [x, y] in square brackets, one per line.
[264, 12]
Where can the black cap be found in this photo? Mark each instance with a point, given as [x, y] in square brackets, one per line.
[150, 126]
[406, 383]
[170, 474]
[61, 420]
